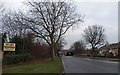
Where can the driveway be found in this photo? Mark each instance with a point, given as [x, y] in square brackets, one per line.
[82, 65]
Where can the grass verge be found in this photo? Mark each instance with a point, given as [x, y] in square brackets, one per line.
[44, 67]
[102, 58]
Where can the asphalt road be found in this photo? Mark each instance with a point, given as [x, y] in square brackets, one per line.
[82, 65]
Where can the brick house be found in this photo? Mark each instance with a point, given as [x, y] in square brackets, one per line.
[110, 51]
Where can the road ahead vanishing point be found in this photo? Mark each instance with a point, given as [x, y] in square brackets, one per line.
[80, 65]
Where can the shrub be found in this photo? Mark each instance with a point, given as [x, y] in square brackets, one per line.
[40, 50]
[26, 57]
[16, 58]
[7, 59]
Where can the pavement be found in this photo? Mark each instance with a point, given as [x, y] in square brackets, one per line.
[82, 65]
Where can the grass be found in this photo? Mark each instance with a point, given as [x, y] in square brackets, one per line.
[46, 67]
[117, 60]
[109, 59]
[101, 58]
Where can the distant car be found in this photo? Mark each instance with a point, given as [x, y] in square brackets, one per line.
[69, 54]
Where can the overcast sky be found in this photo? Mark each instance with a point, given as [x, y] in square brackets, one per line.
[100, 12]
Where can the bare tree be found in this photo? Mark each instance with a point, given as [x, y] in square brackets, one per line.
[2, 35]
[1, 11]
[94, 35]
[11, 22]
[1, 7]
[78, 46]
[50, 21]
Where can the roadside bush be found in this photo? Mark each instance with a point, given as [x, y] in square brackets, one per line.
[40, 50]
[16, 58]
[26, 57]
[7, 59]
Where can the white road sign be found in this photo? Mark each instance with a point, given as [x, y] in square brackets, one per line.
[9, 46]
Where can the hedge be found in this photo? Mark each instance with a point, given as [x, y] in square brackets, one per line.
[16, 58]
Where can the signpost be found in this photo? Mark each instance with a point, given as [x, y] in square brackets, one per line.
[9, 47]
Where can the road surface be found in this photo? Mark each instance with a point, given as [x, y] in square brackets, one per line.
[82, 65]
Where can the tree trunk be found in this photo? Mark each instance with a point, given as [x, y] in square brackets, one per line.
[52, 53]
[93, 52]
